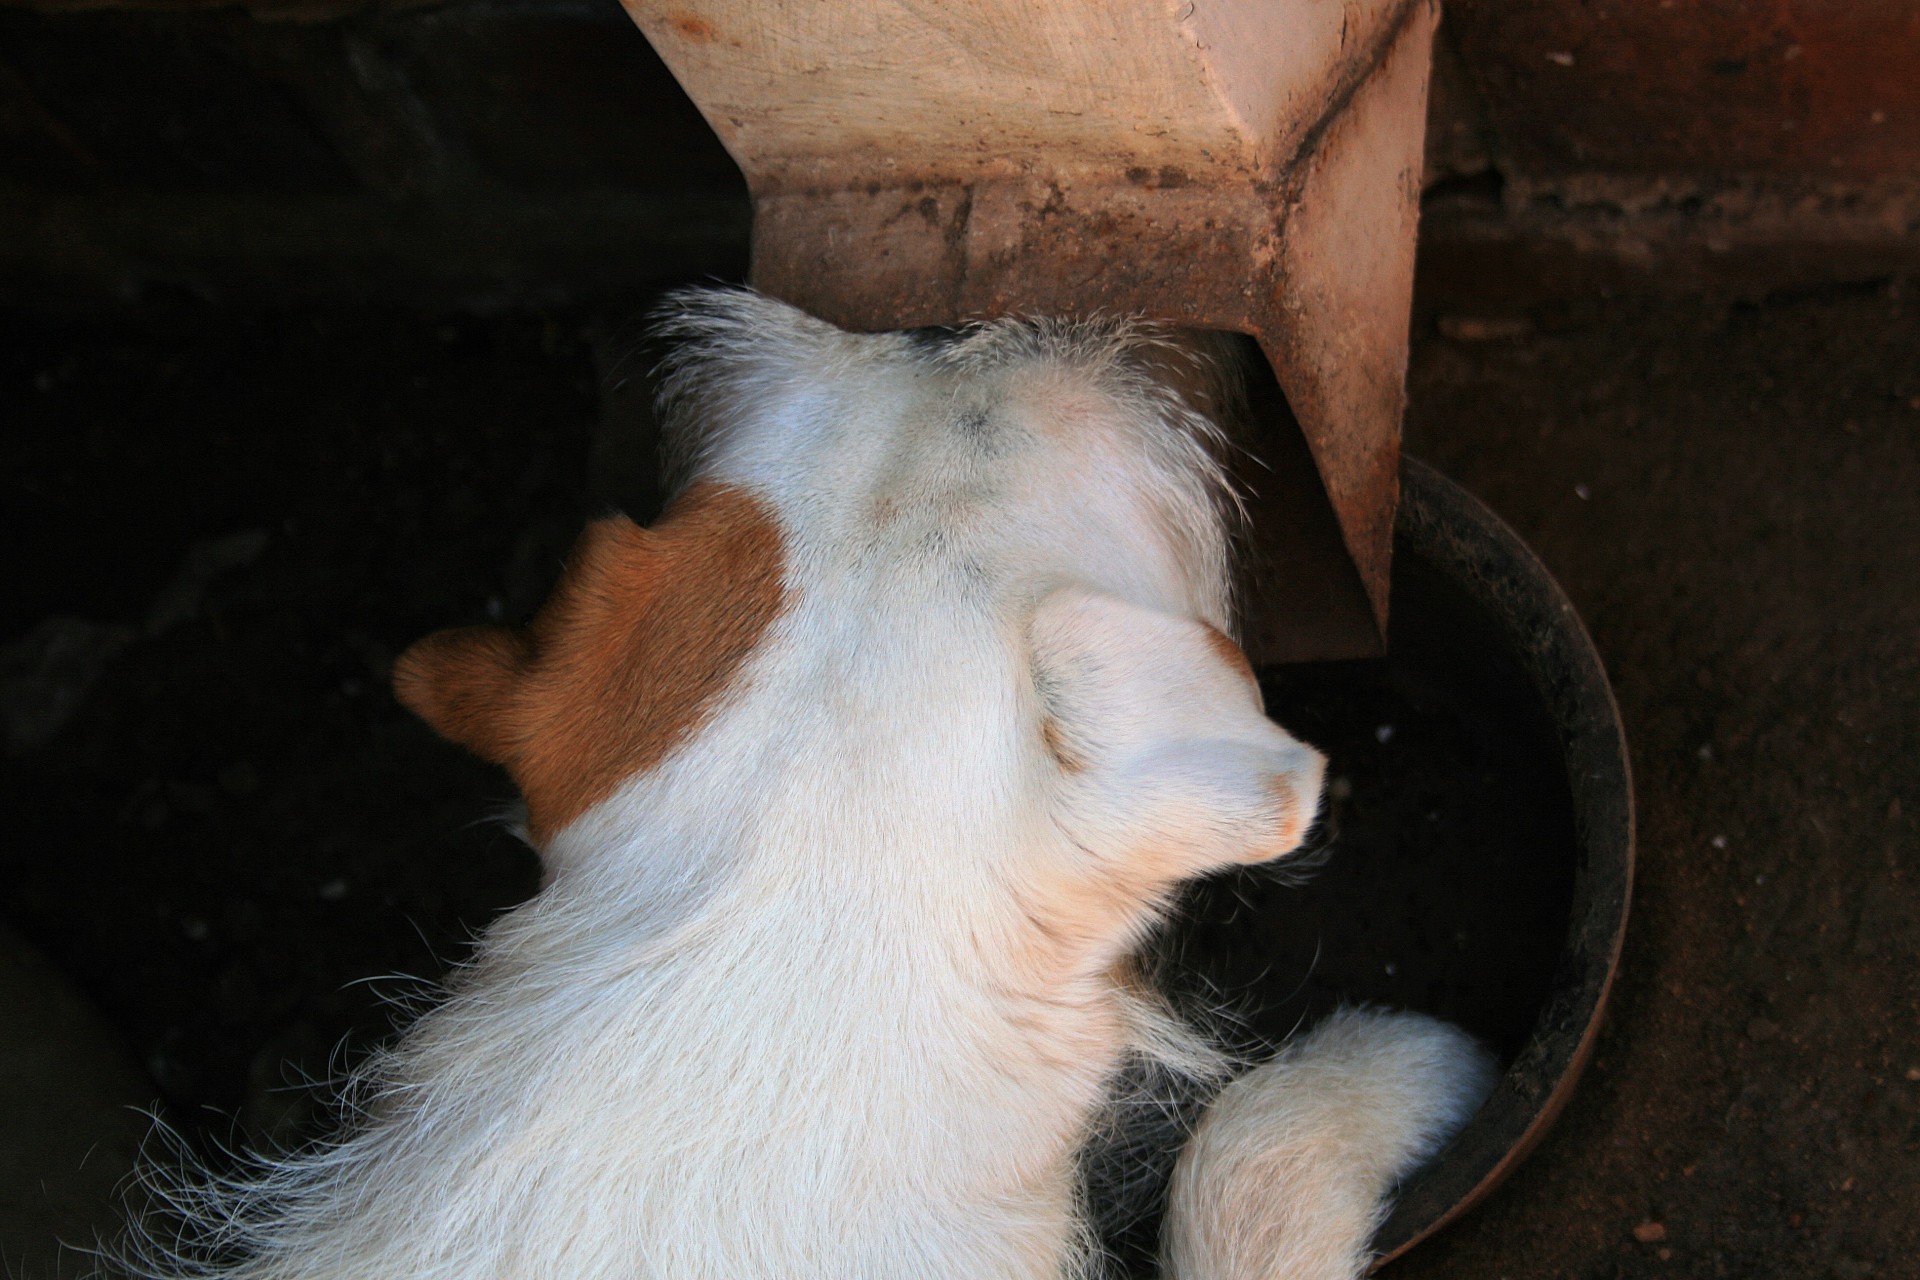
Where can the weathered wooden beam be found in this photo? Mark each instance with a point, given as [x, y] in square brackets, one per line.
[1247, 165]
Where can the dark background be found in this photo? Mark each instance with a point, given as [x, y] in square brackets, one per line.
[318, 335]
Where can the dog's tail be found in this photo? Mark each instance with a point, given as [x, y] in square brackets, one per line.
[1290, 1171]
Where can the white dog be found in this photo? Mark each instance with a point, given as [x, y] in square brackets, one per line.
[858, 779]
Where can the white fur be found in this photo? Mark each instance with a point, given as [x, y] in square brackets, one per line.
[1286, 1173]
[837, 989]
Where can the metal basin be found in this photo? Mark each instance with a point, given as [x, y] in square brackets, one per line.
[1478, 844]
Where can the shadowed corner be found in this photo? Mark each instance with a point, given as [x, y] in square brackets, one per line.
[72, 1117]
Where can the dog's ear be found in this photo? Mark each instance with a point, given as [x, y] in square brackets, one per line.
[462, 683]
[482, 687]
[640, 638]
[1168, 766]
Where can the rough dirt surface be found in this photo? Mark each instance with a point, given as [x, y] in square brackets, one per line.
[223, 526]
[1728, 493]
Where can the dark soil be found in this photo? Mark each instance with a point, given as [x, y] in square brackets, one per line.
[1441, 876]
[237, 827]
[1728, 493]
[240, 827]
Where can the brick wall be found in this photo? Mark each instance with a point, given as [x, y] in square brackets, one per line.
[1675, 143]
[485, 151]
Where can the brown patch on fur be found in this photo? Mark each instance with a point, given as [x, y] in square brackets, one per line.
[1286, 804]
[1129, 974]
[1058, 979]
[1063, 754]
[693, 27]
[1231, 653]
[624, 661]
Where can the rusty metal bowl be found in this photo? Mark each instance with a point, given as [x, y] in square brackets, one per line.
[1478, 842]
[1446, 530]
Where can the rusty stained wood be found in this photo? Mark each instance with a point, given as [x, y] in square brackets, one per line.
[1247, 165]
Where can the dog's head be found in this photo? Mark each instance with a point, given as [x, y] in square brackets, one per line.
[914, 588]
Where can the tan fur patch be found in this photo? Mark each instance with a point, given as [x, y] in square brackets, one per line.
[1286, 804]
[622, 663]
[1231, 654]
[1057, 746]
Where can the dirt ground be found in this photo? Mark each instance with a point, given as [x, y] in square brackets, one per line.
[1727, 491]
[222, 526]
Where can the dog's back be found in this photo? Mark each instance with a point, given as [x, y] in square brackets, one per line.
[857, 778]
